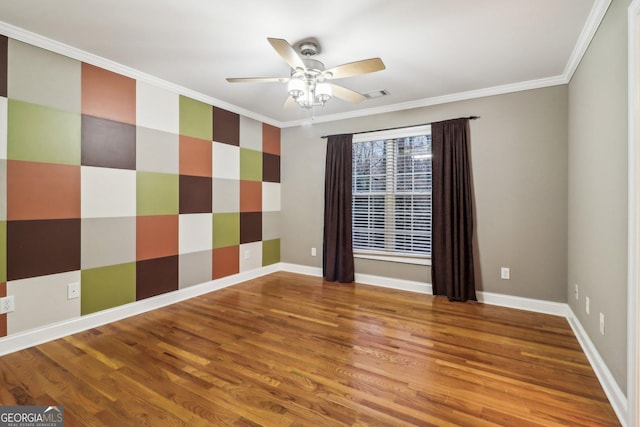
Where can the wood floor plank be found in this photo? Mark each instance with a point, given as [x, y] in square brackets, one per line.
[293, 350]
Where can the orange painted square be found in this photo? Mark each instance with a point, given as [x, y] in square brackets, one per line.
[108, 95]
[156, 236]
[250, 196]
[195, 156]
[42, 191]
[270, 139]
[3, 317]
[226, 261]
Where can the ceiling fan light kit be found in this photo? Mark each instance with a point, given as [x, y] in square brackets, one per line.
[307, 86]
[308, 89]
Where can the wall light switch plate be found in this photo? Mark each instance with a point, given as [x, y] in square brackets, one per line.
[7, 304]
[586, 305]
[73, 290]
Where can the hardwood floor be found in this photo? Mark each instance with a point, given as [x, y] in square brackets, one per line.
[291, 350]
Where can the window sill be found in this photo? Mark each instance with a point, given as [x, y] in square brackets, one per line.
[393, 258]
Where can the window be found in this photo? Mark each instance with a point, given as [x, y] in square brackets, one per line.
[392, 194]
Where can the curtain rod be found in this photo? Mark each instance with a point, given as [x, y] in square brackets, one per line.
[399, 127]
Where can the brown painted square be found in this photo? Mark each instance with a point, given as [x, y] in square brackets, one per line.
[108, 144]
[270, 167]
[156, 276]
[226, 261]
[38, 248]
[108, 95]
[195, 194]
[4, 49]
[226, 127]
[195, 156]
[270, 139]
[250, 227]
[250, 196]
[156, 236]
[42, 191]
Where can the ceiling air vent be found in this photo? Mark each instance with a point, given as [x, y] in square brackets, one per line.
[376, 94]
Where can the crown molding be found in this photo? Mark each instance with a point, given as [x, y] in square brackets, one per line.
[594, 19]
[38, 40]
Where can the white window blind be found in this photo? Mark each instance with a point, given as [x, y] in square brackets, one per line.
[392, 192]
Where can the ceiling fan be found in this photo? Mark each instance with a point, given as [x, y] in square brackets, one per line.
[308, 84]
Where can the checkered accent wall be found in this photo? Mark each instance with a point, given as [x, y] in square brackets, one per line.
[129, 189]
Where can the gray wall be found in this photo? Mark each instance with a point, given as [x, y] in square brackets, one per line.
[519, 160]
[597, 258]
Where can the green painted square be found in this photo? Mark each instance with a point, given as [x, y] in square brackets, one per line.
[250, 165]
[3, 251]
[42, 134]
[270, 252]
[157, 193]
[226, 230]
[196, 119]
[107, 287]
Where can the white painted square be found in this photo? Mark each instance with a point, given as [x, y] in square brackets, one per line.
[107, 241]
[107, 192]
[270, 196]
[250, 133]
[226, 161]
[157, 151]
[42, 77]
[195, 233]
[3, 127]
[250, 256]
[194, 268]
[226, 195]
[42, 300]
[157, 108]
[271, 226]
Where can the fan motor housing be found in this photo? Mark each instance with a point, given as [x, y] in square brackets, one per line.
[313, 64]
[308, 49]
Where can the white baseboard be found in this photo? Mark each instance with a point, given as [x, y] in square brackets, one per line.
[37, 336]
[365, 279]
[521, 303]
[67, 327]
[615, 395]
[307, 270]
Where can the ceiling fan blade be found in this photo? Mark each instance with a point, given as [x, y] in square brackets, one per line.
[287, 53]
[355, 68]
[346, 94]
[258, 79]
[289, 102]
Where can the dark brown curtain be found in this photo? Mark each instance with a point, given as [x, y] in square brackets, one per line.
[452, 272]
[337, 246]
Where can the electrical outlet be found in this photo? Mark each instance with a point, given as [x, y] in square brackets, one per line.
[313, 252]
[602, 323]
[7, 304]
[247, 254]
[505, 273]
[73, 290]
[576, 291]
[586, 305]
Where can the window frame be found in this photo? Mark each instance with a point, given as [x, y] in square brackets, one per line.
[387, 135]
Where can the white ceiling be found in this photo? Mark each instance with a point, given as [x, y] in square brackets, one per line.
[434, 50]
